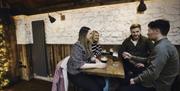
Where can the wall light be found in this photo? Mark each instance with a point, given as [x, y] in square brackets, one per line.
[62, 17]
[51, 19]
[142, 7]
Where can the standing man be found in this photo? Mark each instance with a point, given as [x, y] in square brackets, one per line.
[163, 61]
[138, 45]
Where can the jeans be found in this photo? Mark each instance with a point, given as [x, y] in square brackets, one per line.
[87, 82]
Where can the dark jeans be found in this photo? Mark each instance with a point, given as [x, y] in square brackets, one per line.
[176, 84]
[130, 72]
[87, 82]
[136, 87]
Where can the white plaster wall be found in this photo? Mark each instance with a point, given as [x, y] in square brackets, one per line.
[112, 21]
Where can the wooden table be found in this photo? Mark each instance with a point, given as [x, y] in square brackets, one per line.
[113, 69]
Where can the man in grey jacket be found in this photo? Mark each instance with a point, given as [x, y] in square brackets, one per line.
[163, 61]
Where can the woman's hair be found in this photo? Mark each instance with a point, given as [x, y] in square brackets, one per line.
[93, 34]
[83, 39]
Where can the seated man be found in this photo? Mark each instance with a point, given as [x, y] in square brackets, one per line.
[163, 62]
[138, 45]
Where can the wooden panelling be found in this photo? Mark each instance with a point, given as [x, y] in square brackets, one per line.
[55, 53]
[24, 61]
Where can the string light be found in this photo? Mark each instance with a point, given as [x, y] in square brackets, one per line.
[4, 63]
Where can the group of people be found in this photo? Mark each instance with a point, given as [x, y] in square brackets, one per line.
[149, 66]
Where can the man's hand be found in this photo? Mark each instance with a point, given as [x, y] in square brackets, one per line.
[126, 55]
[139, 65]
[132, 81]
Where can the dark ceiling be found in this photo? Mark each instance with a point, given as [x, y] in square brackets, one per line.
[35, 3]
[29, 7]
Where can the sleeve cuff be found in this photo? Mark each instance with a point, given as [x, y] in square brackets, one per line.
[137, 79]
[133, 57]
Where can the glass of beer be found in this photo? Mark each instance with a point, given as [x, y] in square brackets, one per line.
[115, 56]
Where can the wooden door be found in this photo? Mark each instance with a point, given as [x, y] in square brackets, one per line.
[39, 55]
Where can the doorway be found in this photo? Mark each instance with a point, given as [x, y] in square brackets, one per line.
[39, 52]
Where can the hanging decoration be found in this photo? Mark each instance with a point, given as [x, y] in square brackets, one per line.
[142, 7]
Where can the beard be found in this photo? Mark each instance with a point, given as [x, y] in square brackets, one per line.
[136, 37]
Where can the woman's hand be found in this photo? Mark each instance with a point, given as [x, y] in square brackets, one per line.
[93, 59]
[100, 65]
[97, 60]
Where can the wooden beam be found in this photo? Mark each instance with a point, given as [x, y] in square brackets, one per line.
[68, 5]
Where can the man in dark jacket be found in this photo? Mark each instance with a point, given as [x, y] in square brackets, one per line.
[138, 45]
[163, 63]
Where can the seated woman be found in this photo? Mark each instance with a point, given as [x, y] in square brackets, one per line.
[80, 58]
[96, 48]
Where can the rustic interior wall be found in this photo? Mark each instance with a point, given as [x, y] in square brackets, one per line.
[112, 21]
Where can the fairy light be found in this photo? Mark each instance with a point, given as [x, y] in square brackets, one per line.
[4, 63]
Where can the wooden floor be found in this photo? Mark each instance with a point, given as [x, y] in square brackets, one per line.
[36, 85]
[39, 85]
[32, 85]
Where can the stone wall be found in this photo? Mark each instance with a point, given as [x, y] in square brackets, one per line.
[112, 21]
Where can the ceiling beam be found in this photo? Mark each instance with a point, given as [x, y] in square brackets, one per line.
[70, 4]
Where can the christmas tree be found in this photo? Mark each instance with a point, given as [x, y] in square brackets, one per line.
[4, 62]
